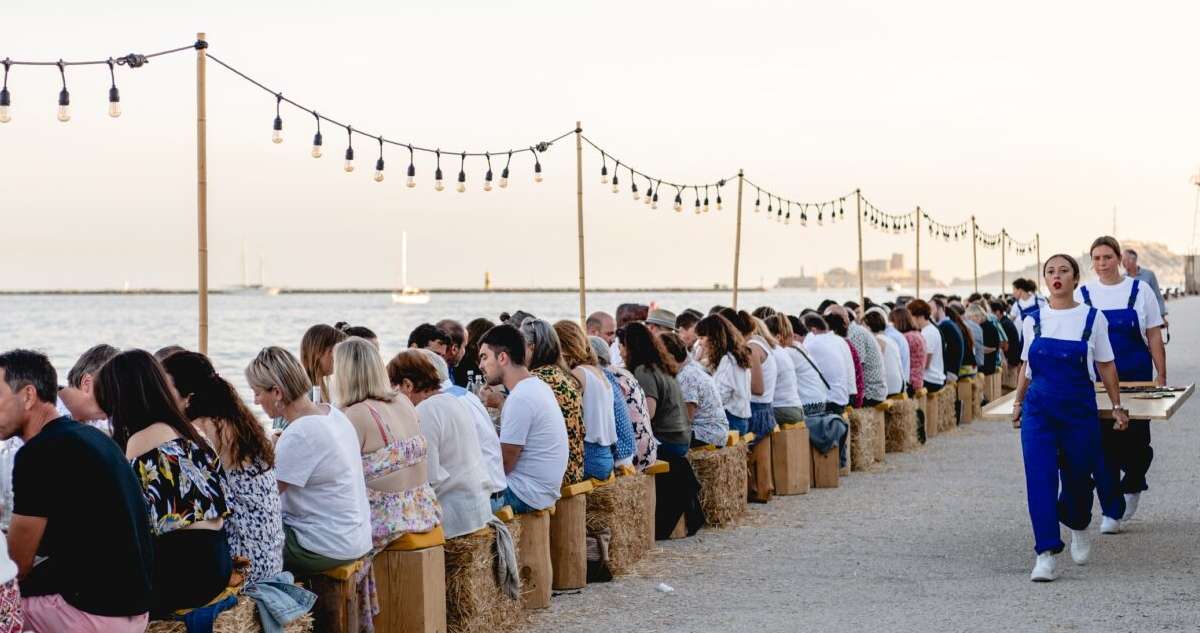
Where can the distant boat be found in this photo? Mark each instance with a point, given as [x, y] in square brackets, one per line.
[407, 295]
[894, 287]
[248, 288]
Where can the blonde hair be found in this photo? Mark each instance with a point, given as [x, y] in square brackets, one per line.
[761, 329]
[359, 373]
[975, 310]
[576, 349]
[275, 367]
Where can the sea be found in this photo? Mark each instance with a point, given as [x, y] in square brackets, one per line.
[64, 326]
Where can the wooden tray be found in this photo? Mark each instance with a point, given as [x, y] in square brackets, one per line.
[1139, 408]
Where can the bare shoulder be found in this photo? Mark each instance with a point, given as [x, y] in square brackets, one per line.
[149, 438]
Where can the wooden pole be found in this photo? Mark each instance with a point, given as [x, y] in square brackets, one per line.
[1003, 273]
[579, 221]
[975, 253]
[202, 191]
[1037, 242]
[862, 289]
[918, 293]
[737, 241]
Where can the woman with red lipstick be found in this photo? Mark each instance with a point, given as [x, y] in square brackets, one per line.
[1066, 345]
[1135, 331]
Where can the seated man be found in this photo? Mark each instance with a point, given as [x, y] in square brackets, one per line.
[428, 336]
[78, 506]
[533, 434]
[78, 398]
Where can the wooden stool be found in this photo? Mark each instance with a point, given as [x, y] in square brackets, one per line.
[336, 609]
[965, 392]
[760, 482]
[410, 578]
[533, 558]
[568, 537]
[657, 468]
[790, 459]
[824, 467]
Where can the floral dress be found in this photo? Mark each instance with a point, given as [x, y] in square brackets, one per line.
[571, 403]
[255, 527]
[183, 483]
[639, 415]
[396, 513]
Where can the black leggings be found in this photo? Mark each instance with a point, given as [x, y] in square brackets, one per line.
[190, 568]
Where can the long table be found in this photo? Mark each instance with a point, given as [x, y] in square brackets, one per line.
[1141, 406]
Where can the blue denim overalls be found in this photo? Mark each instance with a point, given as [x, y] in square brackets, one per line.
[1127, 450]
[1059, 429]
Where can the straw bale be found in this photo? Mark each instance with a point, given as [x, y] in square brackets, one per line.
[901, 426]
[474, 600]
[723, 479]
[862, 442]
[243, 618]
[619, 507]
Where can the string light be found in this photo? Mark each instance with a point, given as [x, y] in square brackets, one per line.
[277, 125]
[678, 200]
[654, 202]
[317, 140]
[648, 197]
[5, 97]
[114, 95]
[504, 172]
[64, 97]
[719, 185]
[603, 169]
[379, 162]
[411, 181]
[757, 200]
[437, 175]
[706, 198]
[349, 165]
[487, 178]
[462, 174]
[616, 179]
[633, 186]
[696, 191]
[537, 167]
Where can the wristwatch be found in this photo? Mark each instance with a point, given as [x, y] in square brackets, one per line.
[1118, 407]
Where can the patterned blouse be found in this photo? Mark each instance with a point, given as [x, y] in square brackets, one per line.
[710, 424]
[571, 403]
[626, 444]
[871, 358]
[183, 484]
[255, 527]
[635, 399]
[916, 355]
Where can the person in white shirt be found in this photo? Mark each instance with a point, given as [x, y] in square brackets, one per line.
[1066, 348]
[326, 516]
[832, 356]
[935, 366]
[897, 337]
[892, 378]
[453, 457]
[597, 396]
[788, 406]
[533, 434]
[722, 353]
[1027, 299]
[1135, 331]
[814, 391]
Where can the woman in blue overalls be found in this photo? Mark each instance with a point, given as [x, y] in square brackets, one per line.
[1055, 408]
[1135, 331]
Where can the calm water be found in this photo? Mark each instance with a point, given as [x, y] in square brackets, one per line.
[240, 325]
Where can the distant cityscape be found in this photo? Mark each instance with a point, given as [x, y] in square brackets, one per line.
[888, 272]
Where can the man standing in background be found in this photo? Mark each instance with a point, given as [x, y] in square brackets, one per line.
[1129, 260]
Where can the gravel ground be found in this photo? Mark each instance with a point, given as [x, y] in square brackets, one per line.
[935, 540]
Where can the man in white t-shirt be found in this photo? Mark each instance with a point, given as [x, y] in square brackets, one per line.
[533, 434]
[831, 354]
[935, 365]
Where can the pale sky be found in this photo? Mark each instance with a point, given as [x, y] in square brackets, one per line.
[1038, 116]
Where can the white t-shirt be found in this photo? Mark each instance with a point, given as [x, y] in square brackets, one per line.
[786, 392]
[1015, 311]
[811, 388]
[733, 386]
[485, 432]
[326, 498]
[1116, 296]
[935, 368]
[1068, 325]
[614, 354]
[531, 419]
[770, 372]
[832, 356]
[455, 464]
[891, 364]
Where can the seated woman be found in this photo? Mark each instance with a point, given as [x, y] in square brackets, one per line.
[316, 352]
[727, 358]
[543, 356]
[655, 370]
[454, 459]
[326, 516]
[255, 524]
[786, 405]
[599, 418]
[893, 374]
[636, 445]
[181, 479]
[389, 438]
[704, 410]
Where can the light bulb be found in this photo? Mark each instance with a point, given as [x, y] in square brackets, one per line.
[504, 179]
[349, 164]
[5, 103]
[654, 204]
[537, 172]
[64, 106]
[718, 201]
[114, 102]
[277, 131]
[636, 196]
[462, 182]
[706, 205]
[437, 180]
[678, 203]
[379, 170]
[647, 197]
[487, 181]
[604, 175]
[5, 117]
[317, 142]
[697, 206]
[756, 205]
[411, 181]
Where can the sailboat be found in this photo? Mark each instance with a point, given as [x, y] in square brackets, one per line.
[247, 288]
[407, 295]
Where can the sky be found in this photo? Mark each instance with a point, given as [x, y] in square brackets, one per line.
[1037, 117]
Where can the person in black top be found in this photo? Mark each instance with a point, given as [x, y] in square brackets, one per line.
[952, 341]
[1012, 354]
[78, 505]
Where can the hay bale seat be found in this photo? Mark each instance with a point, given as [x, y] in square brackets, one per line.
[900, 425]
[618, 506]
[243, 618]
[862, 437]
[978, 395]
[474, 600]
[946, 397]
[879, 437]
[723, 479]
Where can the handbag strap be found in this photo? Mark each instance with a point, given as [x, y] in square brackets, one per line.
[812, 364]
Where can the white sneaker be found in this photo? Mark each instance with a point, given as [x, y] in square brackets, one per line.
[1109, 525]
[1081, 547]
[1044, 569]
[1131, 503]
